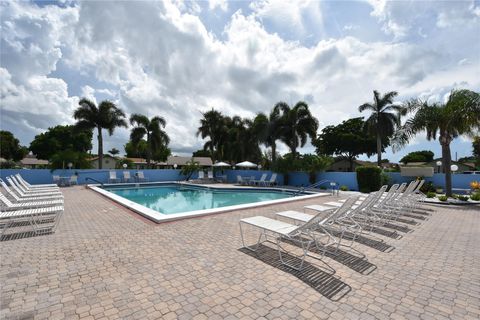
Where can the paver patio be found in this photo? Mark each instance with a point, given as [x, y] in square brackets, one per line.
[105, 262]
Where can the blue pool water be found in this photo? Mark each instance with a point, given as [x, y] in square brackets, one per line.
[174, 199]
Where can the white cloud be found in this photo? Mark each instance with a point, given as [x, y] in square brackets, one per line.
[221, 4]
[158, 58]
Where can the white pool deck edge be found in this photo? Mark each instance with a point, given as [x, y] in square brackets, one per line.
[158, 217]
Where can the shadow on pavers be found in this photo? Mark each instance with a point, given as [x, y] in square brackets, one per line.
[324, 283]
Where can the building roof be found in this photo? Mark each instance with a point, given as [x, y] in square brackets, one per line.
[138, 160]
[181, 161]
[104, 156]
[32, 161]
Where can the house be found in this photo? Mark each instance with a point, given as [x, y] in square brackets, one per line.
[181, 161]
[462, 166]
[109, 162]
[31, 162]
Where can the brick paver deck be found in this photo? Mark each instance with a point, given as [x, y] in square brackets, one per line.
[105, 262]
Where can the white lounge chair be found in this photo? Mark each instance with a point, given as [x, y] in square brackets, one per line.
[17, 198]
[272, 181]
[73, 180]
[49, 185]
[113, 177]
[32, 193]
[126, 176]
[141, 176]
[22, 184]
[240, 181]
[261, 180]
[8, 205]
[23, 195]
[35, 217]
[210, 175]
[281, 230]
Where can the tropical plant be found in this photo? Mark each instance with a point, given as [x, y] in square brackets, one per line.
[418, 156]
[240, 142]
[106, 116]
[114, 151]
[212, 125]
[475, 196]
[369, 178]
[460, 115]
[10, 148]
[385, 118]
[62, 158]
[152, 129]
[431, 194]
[295, 125]
[442, 198]
[268, 130]
[476, 150]
[190, 168]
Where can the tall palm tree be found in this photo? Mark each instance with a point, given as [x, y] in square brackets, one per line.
[267, 129]
[241, 143]
[152, 129]
[106, 116]
[212, 126]
[460, 115]
[295, 124]
[385, 118]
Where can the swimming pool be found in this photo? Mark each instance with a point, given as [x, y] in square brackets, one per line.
[170, 199]
[162, 202]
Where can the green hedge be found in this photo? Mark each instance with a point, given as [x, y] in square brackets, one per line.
[369, 178]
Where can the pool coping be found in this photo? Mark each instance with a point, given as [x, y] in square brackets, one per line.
[158, 217]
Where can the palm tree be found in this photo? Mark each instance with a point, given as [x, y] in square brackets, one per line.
[152, 129]
[241, 142]
[106, 116]
[460, 115]
[295, 124]
[267, 129]
[382, 122]
[213, 126]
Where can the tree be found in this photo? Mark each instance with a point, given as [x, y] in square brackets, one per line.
[385, 118]
[418, 156]
[139, 150]
[61, 138]
[476, 150]
[190, 168]
[10, 148]
[152, 129]
[106, 116]
[295, 125]
[239, 142]
[213, 126]
[201, 153]
[267, 129]
[460, 115]
[62, 158]
[114, 151]
[347, 140]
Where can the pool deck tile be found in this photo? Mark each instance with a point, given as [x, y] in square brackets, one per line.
[106, 262]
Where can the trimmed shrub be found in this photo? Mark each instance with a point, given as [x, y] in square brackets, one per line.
[463, 198]
[443, 198]
[343, 188]
[475, 196]
[369, 178]
[431, 194]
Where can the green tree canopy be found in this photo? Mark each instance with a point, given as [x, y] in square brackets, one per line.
[139, 150]
[348, 139]
[384, 120]
[106, 116]
[61, 138]
[114, 151]
[201, 153]
[476, 150]
[418, 156]
[10, 148]
[152, 129]
[460, 115]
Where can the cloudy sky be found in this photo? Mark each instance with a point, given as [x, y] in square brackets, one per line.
[179, 58]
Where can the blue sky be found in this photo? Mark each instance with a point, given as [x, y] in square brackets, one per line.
[179, 58]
